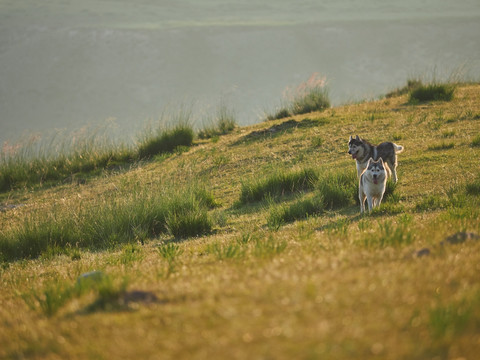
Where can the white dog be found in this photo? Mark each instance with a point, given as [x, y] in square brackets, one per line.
[372, 184]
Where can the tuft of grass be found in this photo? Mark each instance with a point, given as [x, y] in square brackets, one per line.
[432, 92]
[268, 247]
[391, 235]
[50, 299]
[223, 123]
[278, 184]
[309, 96]
[302, 209]
[338, 189]
[449, 321]
[431, 202]
[476, 141]
[442, 146]
[412, 84]
[166, 140]
[226, 251]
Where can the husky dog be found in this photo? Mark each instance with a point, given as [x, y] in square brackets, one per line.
[361, 150]
[372, 184]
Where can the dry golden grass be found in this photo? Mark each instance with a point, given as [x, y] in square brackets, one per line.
[319, 288]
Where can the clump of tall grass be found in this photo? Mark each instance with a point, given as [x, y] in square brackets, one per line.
[86, 152]
[301, 209]
[309, 96]
[280, 183]
[333, 190]
[113, 220]
[56, 158]
[432, 92]
[167, 138]
[223, 123]
[338, 189]
[476, 141]
[412, 84]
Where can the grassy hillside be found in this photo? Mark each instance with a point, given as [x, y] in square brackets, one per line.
[282, 264]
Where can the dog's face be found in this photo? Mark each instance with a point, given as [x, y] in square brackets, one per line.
[355, 147]
[376, 170]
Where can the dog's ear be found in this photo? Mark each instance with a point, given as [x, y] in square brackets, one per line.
[380, 160]
[357, 138]
[350, 139]
[370, 161]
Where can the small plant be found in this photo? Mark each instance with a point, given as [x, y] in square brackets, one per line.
[391, 235]
[432, 92]
[473, 188]
[226, 251]
[265, 248]
[448, 133]
[170, 252]
[450, 320]
[476, 141]
[131, 253]
[442, 146]
[51, 299]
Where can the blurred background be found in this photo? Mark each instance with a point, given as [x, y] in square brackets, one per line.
[67, 64]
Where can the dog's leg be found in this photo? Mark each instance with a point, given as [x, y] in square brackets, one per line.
[362, 198]
[392, 169]
[370, 203]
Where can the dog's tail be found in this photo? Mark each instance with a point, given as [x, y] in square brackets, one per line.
[398, 148]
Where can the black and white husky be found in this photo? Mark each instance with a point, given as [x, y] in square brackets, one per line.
[361, 150]
[372, 184]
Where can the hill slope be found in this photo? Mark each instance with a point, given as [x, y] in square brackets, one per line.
[400, 283]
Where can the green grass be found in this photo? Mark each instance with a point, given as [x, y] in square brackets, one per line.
[309, 96]
[128, 219]
[224, 122]
[277, 277]
[280, 183]
[442, 146]
[476, 141]
[79, 156]
[166, 140]
[432, 92]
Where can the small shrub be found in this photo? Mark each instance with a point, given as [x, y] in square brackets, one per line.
[432, 92]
